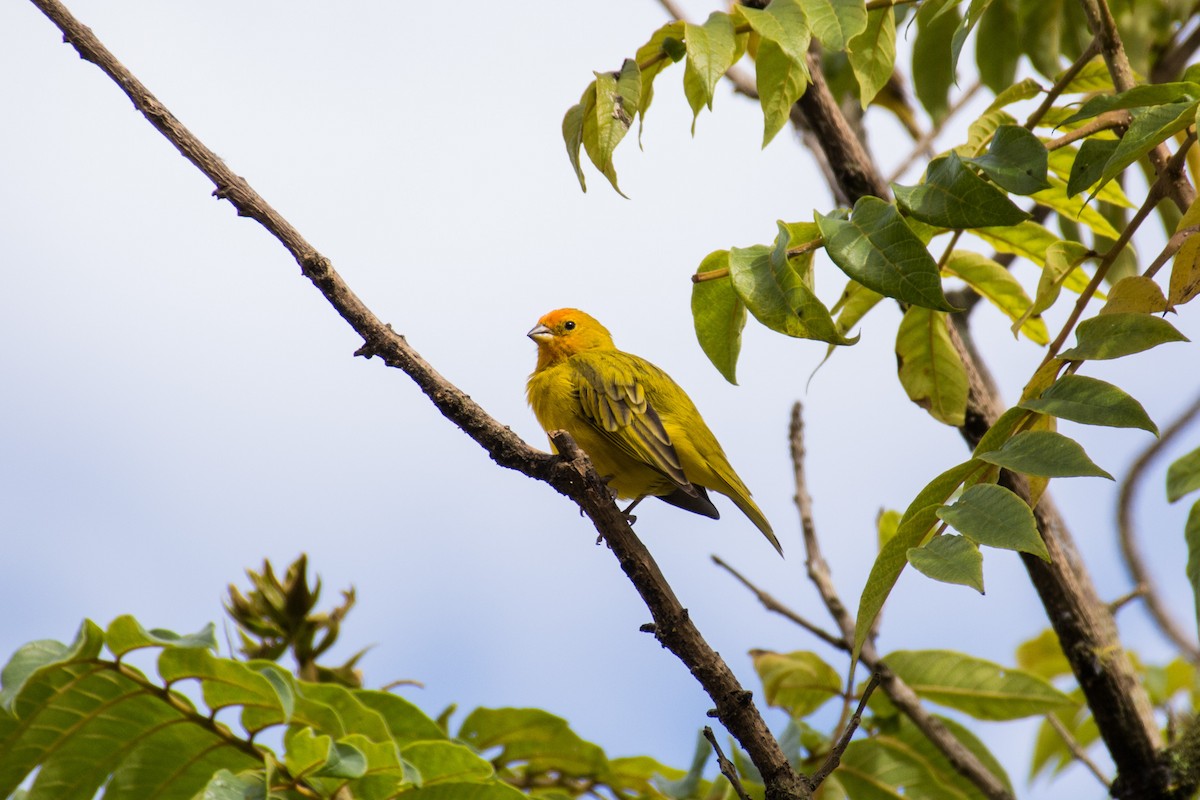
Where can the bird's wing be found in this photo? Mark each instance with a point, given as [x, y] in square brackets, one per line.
[613, 399]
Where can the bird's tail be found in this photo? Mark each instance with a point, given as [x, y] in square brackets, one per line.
[751, 510]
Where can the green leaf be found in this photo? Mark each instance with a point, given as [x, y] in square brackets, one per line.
[1062, 260]
[1140, 96]
[1016, 160]
[872, 54]
[224, 682]
[1040, 27]
[884, 768]
[944, 772]
[1089, 164]
[710, 51]
[876, 248]
[439, 762]
[932, 62]
[1026, 89]
[979, 688]
[1148, 129]
[775, 293]
[1043, 656]
[835, 22]
[719, 316]
[405, 722]
[572, 131]
[952, 196]
[780, 68]
[541, 740]
[310, 754]
[975, 10]
[467, 790]
[1092, 402]
[799, 682]
[992, 515]
[1075, 209]
[125, 634]
[931, 370]
[1044, 453]
[1028, 239]
[1183, 476]
[606, 122]
[998, 65]
[1185, 272]
[227, 786]
[997, 284]
[1191, 534]
[914, 528]
[1062, 164]
[949, 559]
[1115, 335]
[1136, 294]
[44, 654]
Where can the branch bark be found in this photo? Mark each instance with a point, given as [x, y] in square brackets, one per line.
[570, 474]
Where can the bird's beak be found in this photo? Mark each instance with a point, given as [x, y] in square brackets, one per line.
[540, 333]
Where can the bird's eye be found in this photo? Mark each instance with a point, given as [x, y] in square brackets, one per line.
[569, 325]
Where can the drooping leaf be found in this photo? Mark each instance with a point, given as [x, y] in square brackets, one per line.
[719, 316]
[1075, 209]
[979, 688]
[952, 196]
[998, 65]
[949, 559]
[1061, 261]
[1115, 335]
[776, 294]
[944, 772]
[1089, 164]
[930, 369]
[975, 10]
[1185, 272]
[780, 68]
[609, 118]
[664, 48]
[1183, 476]
[835, 22]
[872, 54]
[876, 248]
[877, 768]
[572, 131]
[710, 52]
[1028, 239]
[1045, 453]
[992, 515]
[999, 287]
[799, 682]
[1191, 534]
[1016, 160]
[1148, 129]
[1040, 26]
[1136, 294]
[932, 63]
[1092, 402]
[1043, 656]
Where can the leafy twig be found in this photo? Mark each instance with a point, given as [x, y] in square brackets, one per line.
[835, 755]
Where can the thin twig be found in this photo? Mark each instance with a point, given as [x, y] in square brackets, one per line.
[1077, 750]
[727, 767]
[900, 693]
[923, 145]
[771, 604]
[1063, 82]
[570, 473]
[1127, 536]
[835, 755]
[1173, 244]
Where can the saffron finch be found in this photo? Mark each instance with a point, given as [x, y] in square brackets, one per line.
[642, 432]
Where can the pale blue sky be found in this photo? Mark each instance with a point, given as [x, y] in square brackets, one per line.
[179, 402]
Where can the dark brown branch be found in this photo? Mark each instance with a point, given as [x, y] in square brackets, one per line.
[571, 474]
[1127, 535]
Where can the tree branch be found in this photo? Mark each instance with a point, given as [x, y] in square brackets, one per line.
[1127, 535]
[570, 474]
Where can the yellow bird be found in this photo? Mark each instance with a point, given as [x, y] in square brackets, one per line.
[642, 432]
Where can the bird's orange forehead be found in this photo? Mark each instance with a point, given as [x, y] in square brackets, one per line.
[554, 318]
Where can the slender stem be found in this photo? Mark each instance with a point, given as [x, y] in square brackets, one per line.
[1063, 82]
[1109, 120]
[1173, 244]
[1127, 537]
[835, 755]
[1077, 750]
[711, 275]
[771, 604]
[726, 766]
